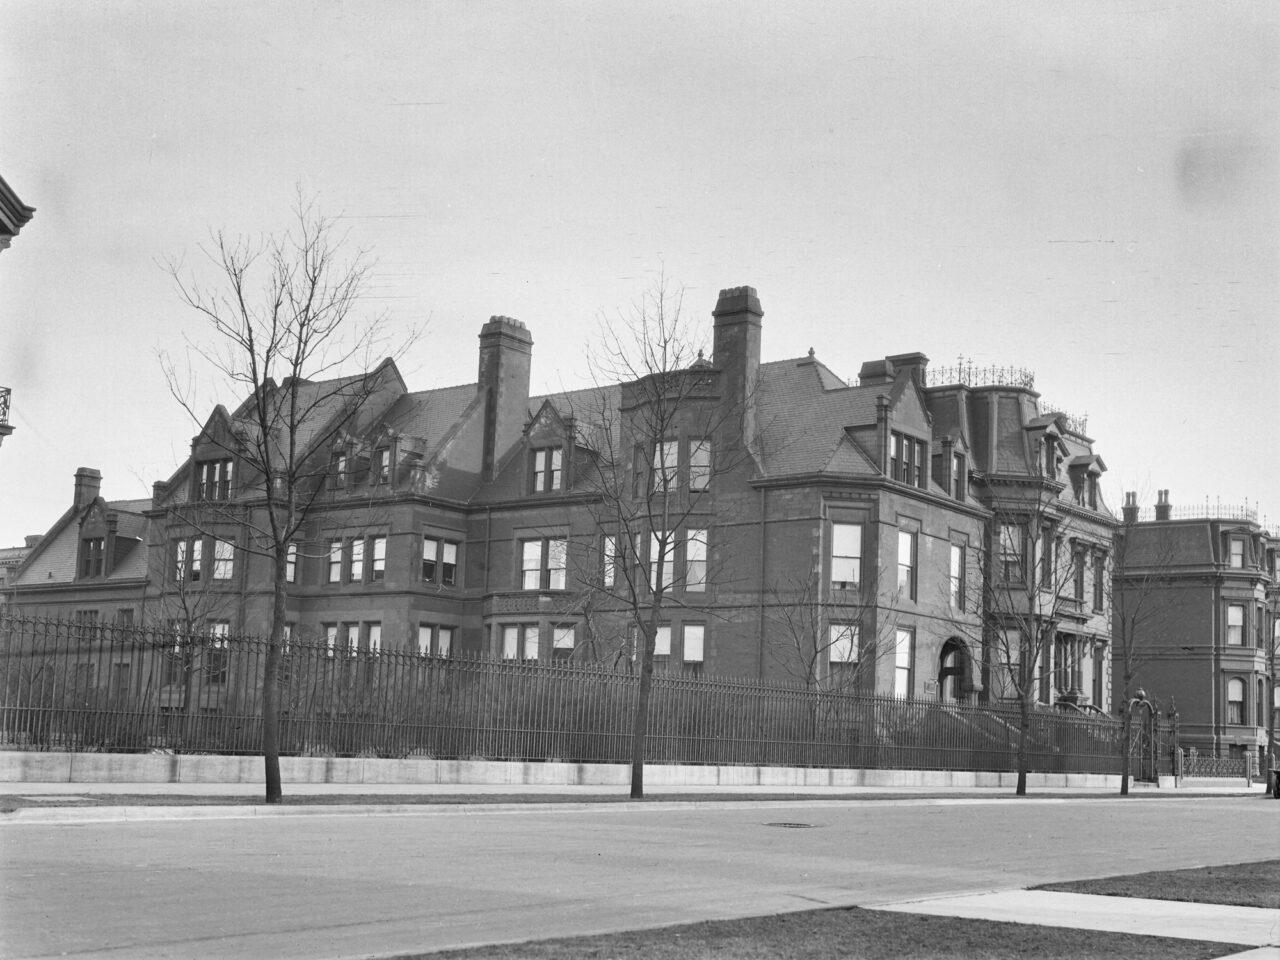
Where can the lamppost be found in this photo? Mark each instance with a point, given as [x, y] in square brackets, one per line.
[1139, 698]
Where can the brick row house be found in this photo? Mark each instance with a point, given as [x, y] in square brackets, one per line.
[857, 534]
[1201, 584]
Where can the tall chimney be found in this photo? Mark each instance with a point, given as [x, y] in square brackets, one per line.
[1130, 509]
[88, 486]
[506, 351]
[736, 353]
[1163, 509]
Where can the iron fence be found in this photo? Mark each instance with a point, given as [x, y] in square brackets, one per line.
[89, 687]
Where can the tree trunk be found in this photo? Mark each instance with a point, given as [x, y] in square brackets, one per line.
[1126, 746]
[640, 725]
[1024, 743]
[270, 685]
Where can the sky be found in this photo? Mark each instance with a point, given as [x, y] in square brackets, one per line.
[1090, 191]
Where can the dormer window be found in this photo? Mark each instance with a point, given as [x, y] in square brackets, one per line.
[1050, 458]
[213, 479]
[548, 473]
[338, 466]
[906, 459]
[1237, 553]
[382, 465]
[959, 478]
[92, 557]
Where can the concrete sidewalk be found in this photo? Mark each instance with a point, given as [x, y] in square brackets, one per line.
[1248, 926]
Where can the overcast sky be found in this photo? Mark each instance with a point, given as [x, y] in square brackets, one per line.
[1088, 190]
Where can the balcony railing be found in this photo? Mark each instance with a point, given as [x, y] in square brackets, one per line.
[5, 394]
[1207, 510]
[966, 373]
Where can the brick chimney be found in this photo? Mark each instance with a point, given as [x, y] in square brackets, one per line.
[1163, 508]
[506, 351]
[88, 486]
[917, 363]
[736, 352]
[1130, 509]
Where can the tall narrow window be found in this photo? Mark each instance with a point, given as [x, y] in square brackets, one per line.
[562, 641]
[1235, 624]
[1235, 701]
[378, 562]
[1077, 573]
[609, 558]
[352, 644]
[957, 576]
[1010, 549]
[547, 469]
[699, 464]
[666, 458]
[531, 565]
[338, 471]
[659, 557]
[695, 548]
[382, 465]
[846, 555]
[430, 558]
[223, 559]
[903, 654]
[444, 641]
[959, 477]
[355, 572]
[374, 638]
[1099, 581]
[335, 561]
[895, 456]
[448, 563]
[195, 555]
[92, 554]
[215, 657]
[907, 564]
[691, 644]
[1237, 553]
[213, 479]
[330, 638]
[291, 564]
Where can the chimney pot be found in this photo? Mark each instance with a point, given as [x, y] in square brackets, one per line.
[88, 486]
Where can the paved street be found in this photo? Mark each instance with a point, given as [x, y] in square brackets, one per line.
[346, 886]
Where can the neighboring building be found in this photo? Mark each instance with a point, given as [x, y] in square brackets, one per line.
[14, 214]
[469, 519]
[10, 558]
[1202, 581]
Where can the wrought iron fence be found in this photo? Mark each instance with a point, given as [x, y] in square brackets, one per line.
[75, 686]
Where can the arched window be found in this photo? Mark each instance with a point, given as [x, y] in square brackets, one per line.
[1235, 701]
[954, 671]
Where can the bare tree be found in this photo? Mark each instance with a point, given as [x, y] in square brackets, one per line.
[281, 312]
[657, 433]
[1032, 575]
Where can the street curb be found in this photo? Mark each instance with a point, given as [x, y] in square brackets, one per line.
[159, 813]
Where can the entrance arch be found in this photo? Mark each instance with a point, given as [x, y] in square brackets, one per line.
[955, 671]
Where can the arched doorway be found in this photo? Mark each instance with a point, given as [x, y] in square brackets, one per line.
[955, 671]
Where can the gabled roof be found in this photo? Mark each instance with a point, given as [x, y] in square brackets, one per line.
[53, 559]
[430, 415]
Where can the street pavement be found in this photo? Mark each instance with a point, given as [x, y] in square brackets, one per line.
[338, 884]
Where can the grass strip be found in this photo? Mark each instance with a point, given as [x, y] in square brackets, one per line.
[1237, 884]
[847, 933]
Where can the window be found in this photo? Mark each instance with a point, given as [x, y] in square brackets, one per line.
[291, 564]
[335, 561]
[120, 679]
[92, 557]
[382, 465]
[695, 555]
[439, 561]
[1010, 549]
[562, 641]
[1235, 625]
[378, 564]
[1099, 580]
[660, 549]
[842, 644]
[547, 473]
[957, 576]
[959, 478]
[520, 641]
[1237, 553]
[666, 454]
[1235, 701]
[699, 464]
[846, 555]
[87, 624]
[1260, 704]
[338, 471]
[124, 618]
[609, 556]
[330, 637]
[355, 570]
[444, 641]
[691, 643]
[351, 636]
[1077, 573]
[213, 479]
[373, 636]
[543, 563]
[1048, 556]
[662, 640]
[223, 559]
[215, 657]
[907, 564]
[187, 559]
[906, 459]
[902, 657]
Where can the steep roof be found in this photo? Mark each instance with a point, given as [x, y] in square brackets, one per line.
[53, 560]
[429, 415]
